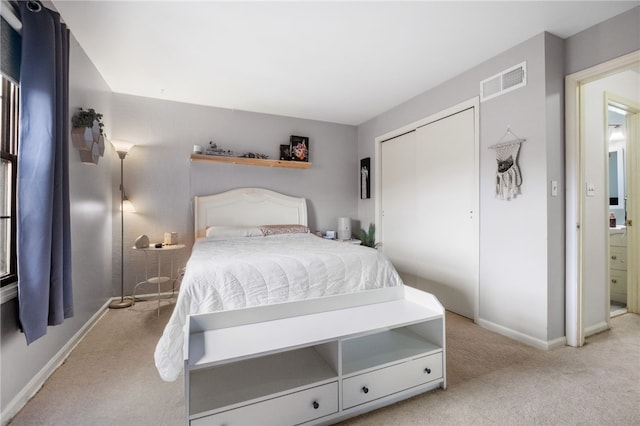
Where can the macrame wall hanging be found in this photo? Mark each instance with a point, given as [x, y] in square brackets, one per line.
[508, 176]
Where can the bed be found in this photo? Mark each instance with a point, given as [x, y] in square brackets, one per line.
[253, 248]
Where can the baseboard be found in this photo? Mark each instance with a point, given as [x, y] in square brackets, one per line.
[151, 296]
[523, 338]
[41, 377]
[557, 343]
[596, 328]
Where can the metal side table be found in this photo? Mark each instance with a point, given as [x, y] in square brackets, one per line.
[160, 252]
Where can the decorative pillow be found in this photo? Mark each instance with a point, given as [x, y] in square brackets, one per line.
[225, 232]
[284, 229]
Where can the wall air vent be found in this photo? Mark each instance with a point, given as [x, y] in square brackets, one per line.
[503, 82]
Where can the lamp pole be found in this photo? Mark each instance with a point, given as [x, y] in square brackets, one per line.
[122, 303]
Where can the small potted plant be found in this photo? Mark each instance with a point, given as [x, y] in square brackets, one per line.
[368, 238]
[87, 134]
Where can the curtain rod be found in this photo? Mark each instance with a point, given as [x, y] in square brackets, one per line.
[9, 14]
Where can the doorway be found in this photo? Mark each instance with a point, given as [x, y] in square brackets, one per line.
[588, 249]
[622, 114]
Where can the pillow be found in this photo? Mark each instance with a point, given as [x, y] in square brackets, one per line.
[225, 232]
[284, 229]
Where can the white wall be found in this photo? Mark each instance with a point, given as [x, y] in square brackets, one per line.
[90, 244]
[596, 208]
[161, 180]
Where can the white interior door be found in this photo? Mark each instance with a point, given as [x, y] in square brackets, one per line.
[448, 258]
[429, 194]
[399, 203]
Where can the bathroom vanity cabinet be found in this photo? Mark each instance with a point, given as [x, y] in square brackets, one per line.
[618, 265]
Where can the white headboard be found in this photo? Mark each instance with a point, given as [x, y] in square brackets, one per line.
[248, 206]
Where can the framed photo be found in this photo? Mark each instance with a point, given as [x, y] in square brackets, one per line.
[299, 148]
[365, 178]
[285, 152]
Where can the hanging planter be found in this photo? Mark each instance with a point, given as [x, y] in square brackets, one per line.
[82, 138]
[87, 135]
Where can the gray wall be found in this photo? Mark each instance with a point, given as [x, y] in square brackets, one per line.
[522, 241]
[517, 274]
[161, 180]
[554, 120]
[91, 246]
[610, 39]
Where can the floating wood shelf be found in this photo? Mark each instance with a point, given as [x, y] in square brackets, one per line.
[251, 161]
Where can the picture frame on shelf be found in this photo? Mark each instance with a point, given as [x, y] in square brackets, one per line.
[285, 152]
[299, 148]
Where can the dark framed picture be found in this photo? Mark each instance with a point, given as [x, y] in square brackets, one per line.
[285, 152]
[299, 148]
[365, 178]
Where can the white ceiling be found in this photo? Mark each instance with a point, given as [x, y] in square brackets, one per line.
[343, 62]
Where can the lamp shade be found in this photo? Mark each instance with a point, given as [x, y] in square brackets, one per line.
[127, 206]
[122, 147]
[344, 228]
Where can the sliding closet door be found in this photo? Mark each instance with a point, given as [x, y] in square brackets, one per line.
[398, 193]
[446, 231]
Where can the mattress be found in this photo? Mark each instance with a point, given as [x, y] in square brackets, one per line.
[252, 271]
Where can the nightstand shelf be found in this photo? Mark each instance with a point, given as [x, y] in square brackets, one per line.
[251, 161]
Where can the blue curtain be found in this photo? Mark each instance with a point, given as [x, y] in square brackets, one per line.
[44, 239]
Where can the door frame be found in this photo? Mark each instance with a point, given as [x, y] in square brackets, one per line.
[462, 106]
[574, 197]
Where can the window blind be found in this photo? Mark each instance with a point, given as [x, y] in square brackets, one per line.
[10, 46]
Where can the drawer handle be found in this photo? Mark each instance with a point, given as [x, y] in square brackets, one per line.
[614, 281]
[315, 405]
[427, 370]
[365, 389]
[614, 257]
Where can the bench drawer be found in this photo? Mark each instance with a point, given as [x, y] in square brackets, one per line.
[386, 381]
[294, 408]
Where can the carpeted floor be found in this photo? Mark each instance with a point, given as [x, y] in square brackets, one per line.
[110, 379]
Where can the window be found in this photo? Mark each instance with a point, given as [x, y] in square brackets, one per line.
[9, 115]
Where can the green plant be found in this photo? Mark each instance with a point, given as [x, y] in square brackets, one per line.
[368, 238]
[85, 118]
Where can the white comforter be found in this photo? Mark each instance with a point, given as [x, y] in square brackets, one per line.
[252, 271]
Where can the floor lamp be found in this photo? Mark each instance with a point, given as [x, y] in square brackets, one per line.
[122, 148]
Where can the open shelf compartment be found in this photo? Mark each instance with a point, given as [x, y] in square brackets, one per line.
[242, 381]
[375, 350]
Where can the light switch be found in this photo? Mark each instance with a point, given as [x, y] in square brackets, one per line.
[554, 188]
[591, 189]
